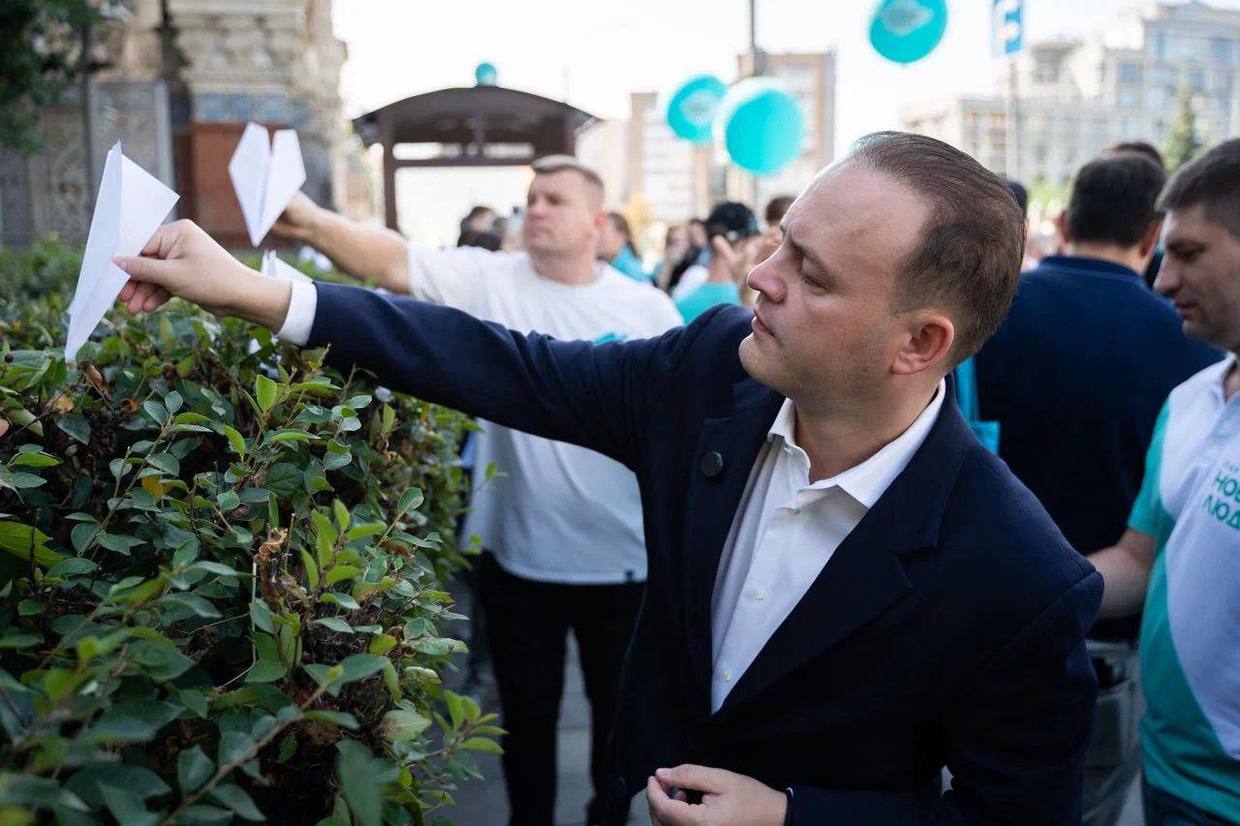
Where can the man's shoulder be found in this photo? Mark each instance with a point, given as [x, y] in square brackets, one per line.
[1001, 532]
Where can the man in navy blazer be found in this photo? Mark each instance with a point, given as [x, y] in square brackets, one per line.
[846, 591]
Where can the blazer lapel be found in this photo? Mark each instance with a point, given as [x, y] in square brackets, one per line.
[865, 576]
[722, 461]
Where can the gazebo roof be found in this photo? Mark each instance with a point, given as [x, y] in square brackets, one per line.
[460, 115]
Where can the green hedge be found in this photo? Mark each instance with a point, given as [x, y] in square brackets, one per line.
[221, 592]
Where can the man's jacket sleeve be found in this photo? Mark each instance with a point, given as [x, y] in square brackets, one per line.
[572, 391]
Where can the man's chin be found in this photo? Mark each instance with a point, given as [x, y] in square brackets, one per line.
[756, 364]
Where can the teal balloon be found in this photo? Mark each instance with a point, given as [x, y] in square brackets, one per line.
[905, 31]
[761, 125]
[691, 108]
[485, 74]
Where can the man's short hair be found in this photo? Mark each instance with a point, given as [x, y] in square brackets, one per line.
[1141, 148]
[1115, 199]
[1211, 180]
[1020, 194]
[548, 164]
[968, 258]
[776, 209]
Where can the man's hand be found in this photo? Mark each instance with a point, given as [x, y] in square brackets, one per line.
[728, 799]
[183, 261]
[299, 221]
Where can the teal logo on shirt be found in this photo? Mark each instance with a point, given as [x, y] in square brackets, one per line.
[1224, 502]
[608, 338]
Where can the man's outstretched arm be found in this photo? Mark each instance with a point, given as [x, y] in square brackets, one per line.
[368, 253]
[598, 397]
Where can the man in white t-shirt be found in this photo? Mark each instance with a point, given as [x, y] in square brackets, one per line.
[562, 525]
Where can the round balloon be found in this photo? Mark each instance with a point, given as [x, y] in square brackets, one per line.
[907, 30]
[691, 108]
[486, 74]
[761, 125]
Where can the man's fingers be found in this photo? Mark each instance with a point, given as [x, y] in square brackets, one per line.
[158, 297]
[142, 269]
[720, 246]
[667, 811]
[698, 778]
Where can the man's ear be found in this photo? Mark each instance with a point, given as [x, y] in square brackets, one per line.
[931, 335]
[1149, 241]
[1061, 229]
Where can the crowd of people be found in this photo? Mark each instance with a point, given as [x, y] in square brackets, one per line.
[800, 584]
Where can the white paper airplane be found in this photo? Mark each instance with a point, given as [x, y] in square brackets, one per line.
[276, 267]
[266, 175]
[131, 205]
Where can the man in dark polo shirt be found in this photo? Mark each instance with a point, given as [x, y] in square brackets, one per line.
[1075, 377]
[1079, 370]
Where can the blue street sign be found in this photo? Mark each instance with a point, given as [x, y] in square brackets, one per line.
[1008, 17]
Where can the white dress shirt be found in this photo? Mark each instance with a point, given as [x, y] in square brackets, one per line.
[785, 530]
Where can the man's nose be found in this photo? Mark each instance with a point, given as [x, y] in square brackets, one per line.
[766, 280]
[1168, 278]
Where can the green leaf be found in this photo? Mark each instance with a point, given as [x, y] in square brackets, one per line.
[366, 530]
[165, 462]
[235, 440]
[76, 426]
[356, 774]
[133, 721]
[141, 781]
[117, 543]
[173, 401]
[482, 744]
[290, 435]
[312, 570]
[381, 644]
[339, 718]
[22, 540]
[82, 536]
[190, 418]
[234, 745]
[283, 479]
[61, 682]
[265, 393]
[126, 806]
[456, 708]
[260, 614]
[156, 411]
[19, 639]
[34, 459]
[341, 573]
[335, 624]
[410, 499]
[403, 724]
[266, 671]
[194, 700]
[342, 515]
[360, 666]
[342, 599]
[18, 481]
[194, 769]
[228, 500]
[235, 798]
[161, 659]
[201, 815]
[191, 602]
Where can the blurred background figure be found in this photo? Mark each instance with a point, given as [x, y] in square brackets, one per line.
[732, 231]
[616, 247]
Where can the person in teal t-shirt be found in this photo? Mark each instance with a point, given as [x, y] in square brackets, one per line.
[615, 246]
[732, 230]
[1181, 553]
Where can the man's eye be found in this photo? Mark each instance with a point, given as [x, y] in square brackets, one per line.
[812, 282]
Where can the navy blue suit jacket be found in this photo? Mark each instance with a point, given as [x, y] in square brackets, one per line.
[947, 629]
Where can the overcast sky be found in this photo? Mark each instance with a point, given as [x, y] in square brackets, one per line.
[593, 53]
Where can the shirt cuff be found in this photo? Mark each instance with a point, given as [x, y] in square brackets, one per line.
[302, 305]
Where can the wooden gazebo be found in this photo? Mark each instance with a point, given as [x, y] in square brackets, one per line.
[474, 126]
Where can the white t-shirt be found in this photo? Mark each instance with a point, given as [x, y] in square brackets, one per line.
[560, 513]
[690, 280]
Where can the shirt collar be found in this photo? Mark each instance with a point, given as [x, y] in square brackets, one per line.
[1085, 264]
[867, 481]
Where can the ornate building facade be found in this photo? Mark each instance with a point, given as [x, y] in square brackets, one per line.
[184, 78]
